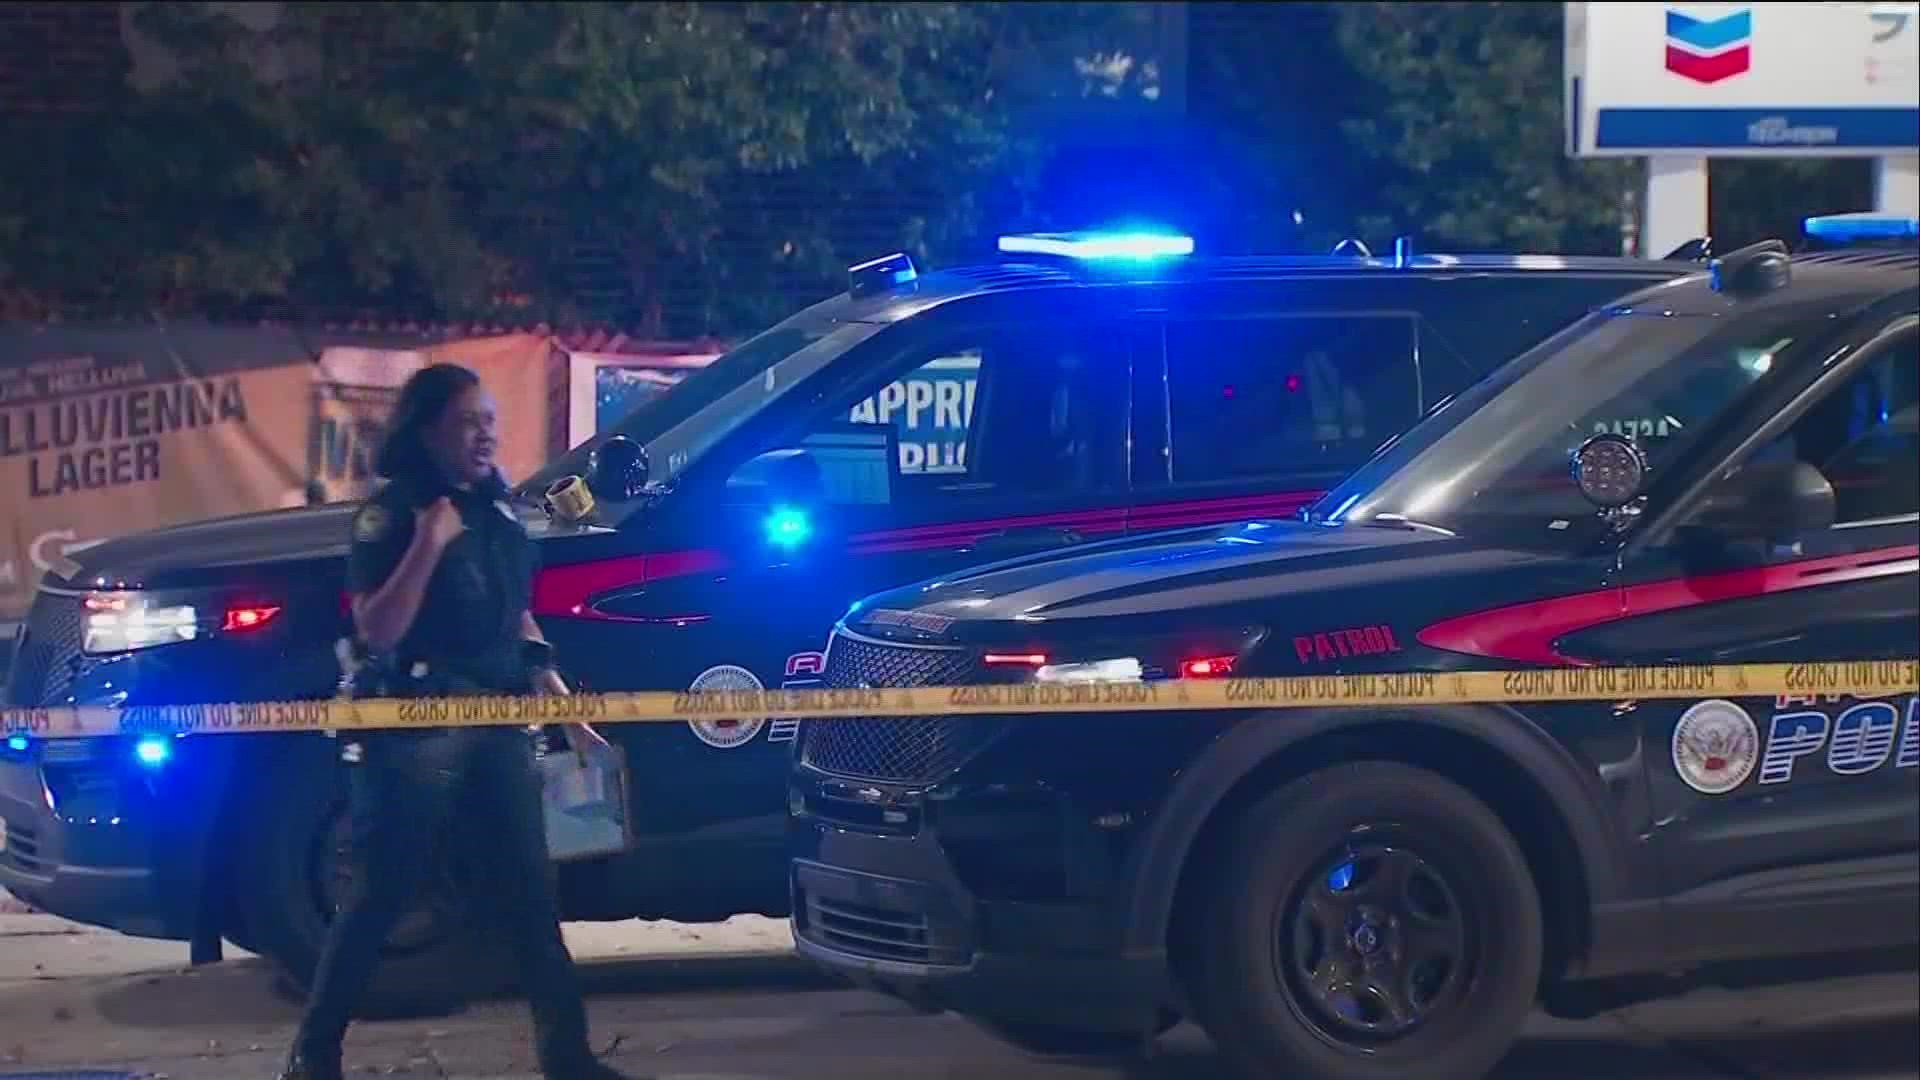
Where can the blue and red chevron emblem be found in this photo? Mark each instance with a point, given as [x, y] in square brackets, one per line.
[1709, 50]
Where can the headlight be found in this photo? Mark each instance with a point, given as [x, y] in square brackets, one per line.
[1123, 669]
[123, 621]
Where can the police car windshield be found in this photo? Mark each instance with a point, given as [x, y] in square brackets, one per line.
[685, 410]
[1495, 462]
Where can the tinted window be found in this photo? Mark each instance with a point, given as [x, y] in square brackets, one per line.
[1864, 437]
[1010, 411]
[1495, 461]
[1255, 397]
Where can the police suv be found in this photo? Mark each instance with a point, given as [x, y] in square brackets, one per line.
[1084, 388]
[1720, 469]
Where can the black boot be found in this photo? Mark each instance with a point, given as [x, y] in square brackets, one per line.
[302, 1065]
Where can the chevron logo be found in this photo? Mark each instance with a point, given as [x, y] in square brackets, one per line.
[1709, 50]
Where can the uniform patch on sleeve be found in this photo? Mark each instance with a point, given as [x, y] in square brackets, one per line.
[371, 523]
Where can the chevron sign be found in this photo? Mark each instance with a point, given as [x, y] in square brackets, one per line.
[1709, 50]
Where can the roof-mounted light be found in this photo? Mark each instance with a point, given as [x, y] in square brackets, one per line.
[1850, 228]
[1753, 270]
[880, 275]
[1099, 245]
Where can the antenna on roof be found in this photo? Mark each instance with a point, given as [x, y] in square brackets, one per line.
[1694, 250]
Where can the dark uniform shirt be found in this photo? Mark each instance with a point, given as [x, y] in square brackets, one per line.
[469, 621]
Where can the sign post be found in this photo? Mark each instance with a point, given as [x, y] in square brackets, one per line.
[1679, 83]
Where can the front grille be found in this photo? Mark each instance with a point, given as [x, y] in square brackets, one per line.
[23, 850]
[916, 749]
[871, 931]
[44, 667]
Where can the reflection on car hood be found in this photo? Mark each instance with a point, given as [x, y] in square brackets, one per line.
[1163, 575]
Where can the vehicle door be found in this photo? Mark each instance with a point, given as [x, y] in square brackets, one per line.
[1263, 399]
[1766, 809]
[922, 453]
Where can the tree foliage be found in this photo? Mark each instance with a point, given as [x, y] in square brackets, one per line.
[458, 159]
[703, 167]
[1465, 129]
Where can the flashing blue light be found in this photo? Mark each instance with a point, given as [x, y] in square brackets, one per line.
[1862, 227]
[787, 527]
[17, 743]
[1091, 245]
[152, 752]
[1341, 879]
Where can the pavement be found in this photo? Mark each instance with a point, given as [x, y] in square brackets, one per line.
[730, 1002]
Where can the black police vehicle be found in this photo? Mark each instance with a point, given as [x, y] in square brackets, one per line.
[1720, 469]
[1087, 387]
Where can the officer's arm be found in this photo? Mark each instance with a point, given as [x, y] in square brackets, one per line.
[390, 566]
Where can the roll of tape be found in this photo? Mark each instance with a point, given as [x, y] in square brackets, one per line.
[570, 498]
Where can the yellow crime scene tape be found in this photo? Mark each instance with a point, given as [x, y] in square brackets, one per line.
[1856, 678]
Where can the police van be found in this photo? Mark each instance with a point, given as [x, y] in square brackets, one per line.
[1082, 387]
[1721, 469]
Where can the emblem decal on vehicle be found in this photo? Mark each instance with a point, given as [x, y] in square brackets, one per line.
[1715, 747]
[726, 734]
[804, 672]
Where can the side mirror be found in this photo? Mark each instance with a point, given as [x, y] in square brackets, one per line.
[777, 476]
[1767, 500]
[620, 470]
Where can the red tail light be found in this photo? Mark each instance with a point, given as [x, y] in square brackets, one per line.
[1209, 667]
[1020, 659]
[248, 618]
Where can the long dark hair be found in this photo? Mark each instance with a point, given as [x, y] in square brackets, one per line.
[423, 401]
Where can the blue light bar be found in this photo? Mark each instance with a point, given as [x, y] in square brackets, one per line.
[1099, 245]
[1862, 227]
[17, 743]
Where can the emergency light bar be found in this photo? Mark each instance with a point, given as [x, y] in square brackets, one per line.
[1865, 226]
[1099, 245]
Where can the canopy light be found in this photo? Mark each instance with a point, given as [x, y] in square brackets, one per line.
[17, 743]
[1862, 227]
[1099, 245]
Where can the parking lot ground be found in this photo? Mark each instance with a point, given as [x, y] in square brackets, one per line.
[730, 1003]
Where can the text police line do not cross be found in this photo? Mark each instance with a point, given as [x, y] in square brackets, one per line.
[1863, 679]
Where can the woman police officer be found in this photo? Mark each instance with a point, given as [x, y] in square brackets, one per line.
[441, 573]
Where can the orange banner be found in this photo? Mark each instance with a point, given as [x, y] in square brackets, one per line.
[112, 431]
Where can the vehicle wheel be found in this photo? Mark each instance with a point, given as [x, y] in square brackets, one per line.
[295, 866]
[1369, 922]
[1047, 1040]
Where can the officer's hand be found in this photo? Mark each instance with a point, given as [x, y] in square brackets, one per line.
[548, 681]
[440, 523]
[586, 742]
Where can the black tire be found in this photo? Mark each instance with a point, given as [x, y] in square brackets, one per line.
[1407, 865]
[294, 841]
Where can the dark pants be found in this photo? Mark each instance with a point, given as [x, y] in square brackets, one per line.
[406, 792]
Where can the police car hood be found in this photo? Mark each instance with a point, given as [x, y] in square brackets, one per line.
[166, 557]
[1162, 581]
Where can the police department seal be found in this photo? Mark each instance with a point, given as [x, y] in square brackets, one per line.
[726, 734]
[1715, 747]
